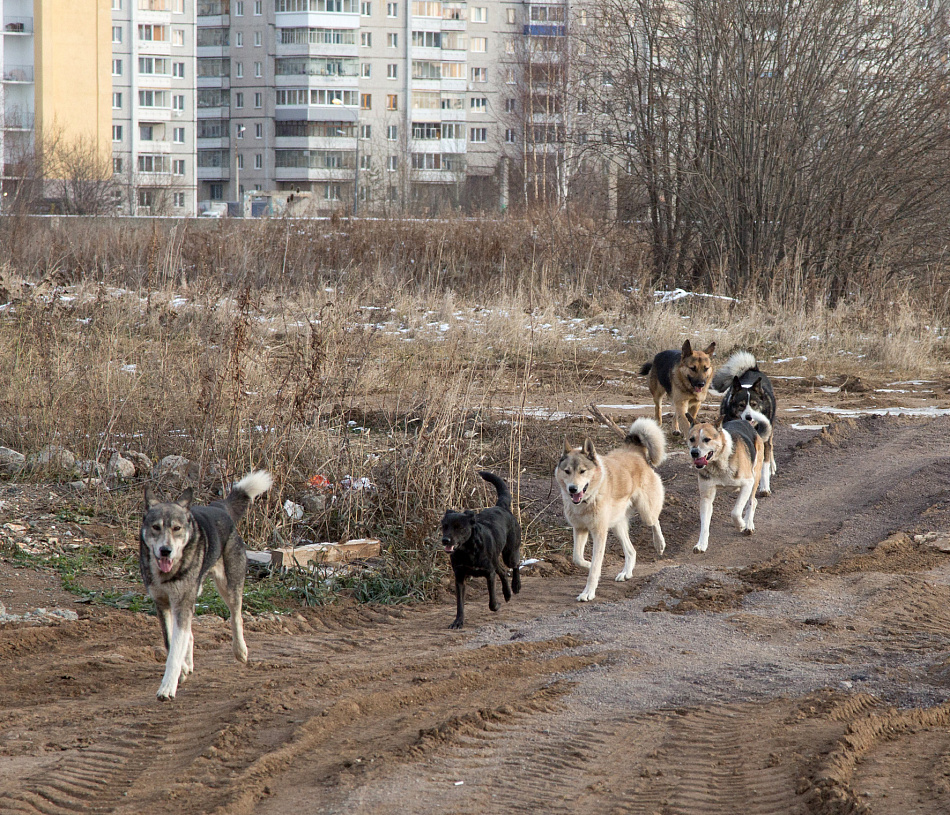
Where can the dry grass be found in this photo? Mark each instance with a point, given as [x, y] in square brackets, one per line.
[408, 354]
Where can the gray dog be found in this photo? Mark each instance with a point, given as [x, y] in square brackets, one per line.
[179, 545]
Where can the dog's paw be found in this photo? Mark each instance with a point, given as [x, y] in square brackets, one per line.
[748, 530]
[584, 564]
[585, 596]
[623, 576]
[165, 694]
[763, 493]
[700, 548]
[240, 653]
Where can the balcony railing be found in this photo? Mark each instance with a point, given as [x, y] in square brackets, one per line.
[17, 73]
[18, 25]
[18, 120]
[213, 8]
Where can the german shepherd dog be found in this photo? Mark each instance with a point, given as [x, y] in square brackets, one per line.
[179, 545]
[686, 376]
[483, 544]
[598, 491]
[727, 454]
[747, 393]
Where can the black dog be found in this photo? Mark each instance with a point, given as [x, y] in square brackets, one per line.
[746, 392]
[482, 545]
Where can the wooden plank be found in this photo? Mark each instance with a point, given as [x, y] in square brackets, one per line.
[286, 558]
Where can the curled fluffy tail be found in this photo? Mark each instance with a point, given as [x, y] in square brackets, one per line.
[245, 490]
[646, 433]
[759, 421]
[738, 364]
[504, 494]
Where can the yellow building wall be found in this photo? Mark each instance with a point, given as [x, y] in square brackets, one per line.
[73, 75]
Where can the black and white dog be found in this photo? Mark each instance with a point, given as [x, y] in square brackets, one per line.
[179, 545]
[748, 394]
[484, 544]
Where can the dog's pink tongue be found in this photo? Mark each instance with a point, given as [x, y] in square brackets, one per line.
[577, 497]
[164, 565]
[700, 462]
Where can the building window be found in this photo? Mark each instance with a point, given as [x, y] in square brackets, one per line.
[178, 166]
[259, 100]
[178, 102]
[239, 8]
[153, 33]
[478, 135]
[258, 8]
[239, 39]
[331, 192]
[116, 100]
[239, 99]
[178, 37]
[116, 132]
[366, 39]
[511, 16]
[258, 161]
[178, 70]
[258, 69]
[366, 131]
[479, 74]
[392, 132]
[216, 192]
[478, 14]
[149, 163]
[259, 131]
[392, 163]
[146, 132]
[117, 67]
[179, 200]
[366, 8]
[511, 105]
[510, 136]
[179, 135]
[392, 71]
[479, 44]
[392, 9]
[392, 40]
[239, 130]
[117, 165]
[479, 103]
[240, 161]
[116, 33]
[366, 162]
[146, 197]
[366, 101]
[258, 39]
[117, 5]
[239, 70]
[178, 7]
[392, 101]
[366, 70]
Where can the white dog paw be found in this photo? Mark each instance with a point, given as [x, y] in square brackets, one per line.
[763, 493]
[700, 548]
[620, 578]
[584, 564]
[585, 596]
[165, 695]
[748, 530]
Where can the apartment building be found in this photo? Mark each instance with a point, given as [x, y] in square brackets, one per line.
[55, 56]
[364, 104]
[153, 105]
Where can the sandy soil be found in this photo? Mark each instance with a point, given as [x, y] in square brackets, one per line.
[805, 669]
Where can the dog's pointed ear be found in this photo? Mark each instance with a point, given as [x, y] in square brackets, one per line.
[687, 349]
[589, 449]
[567, 448]
[710, 349]
[690, 418]
[757, 385]
[184, 500]
[151, 499]
[719, 420]
[736, 384]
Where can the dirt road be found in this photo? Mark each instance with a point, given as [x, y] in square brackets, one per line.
[805, 669]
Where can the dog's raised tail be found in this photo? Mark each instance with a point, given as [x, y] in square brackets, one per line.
[504, 494]
[646, 433]
[245, 490]
[739, 363]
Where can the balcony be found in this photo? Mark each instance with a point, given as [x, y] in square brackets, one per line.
[18, 73]
[18, 120]
[18, 25]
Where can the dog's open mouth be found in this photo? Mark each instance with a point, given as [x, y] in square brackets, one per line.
[578, 496]
[164, 565]
[701, 461]
[448, 548]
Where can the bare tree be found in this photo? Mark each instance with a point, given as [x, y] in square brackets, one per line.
[759, 131]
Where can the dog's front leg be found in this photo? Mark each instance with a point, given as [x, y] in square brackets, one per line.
[598, 546]
[707, 494]
[459, 620]
[580, 541]
[180, 640]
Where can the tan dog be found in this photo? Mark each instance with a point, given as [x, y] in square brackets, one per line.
[685, 375]
[727, 454]
[597, 492]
